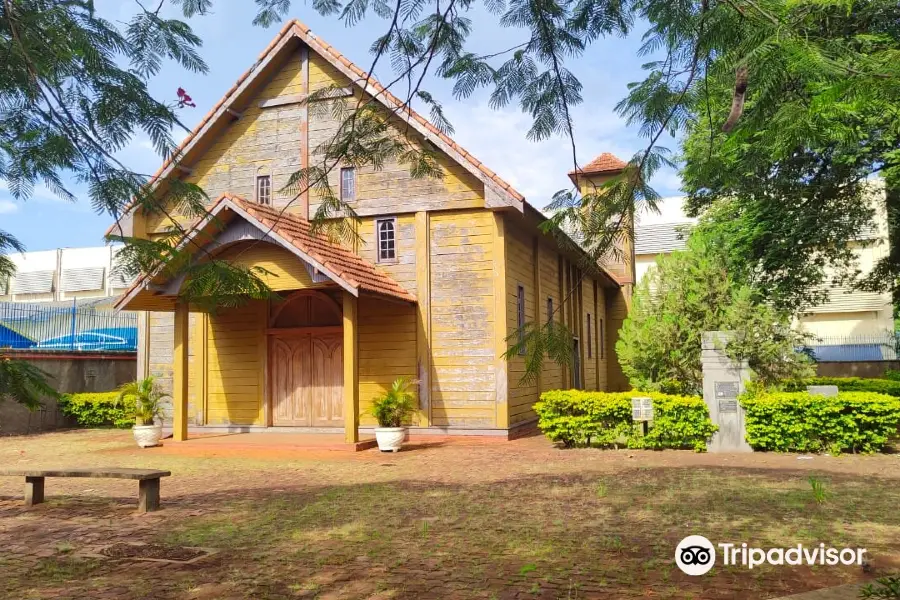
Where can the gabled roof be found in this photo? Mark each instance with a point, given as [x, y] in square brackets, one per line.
[605, 164]
[497, 191]
[342, 266]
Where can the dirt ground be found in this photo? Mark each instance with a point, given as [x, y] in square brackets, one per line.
[445, 518]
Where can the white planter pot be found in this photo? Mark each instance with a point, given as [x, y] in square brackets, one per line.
[147, 436]
[390, 438]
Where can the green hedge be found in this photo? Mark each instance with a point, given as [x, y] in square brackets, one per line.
[579, 418]
[801, 422]
[98, 409]
[849, 384]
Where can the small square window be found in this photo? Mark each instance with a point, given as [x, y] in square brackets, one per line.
[387, 239]
[348, 184]
[264, 189]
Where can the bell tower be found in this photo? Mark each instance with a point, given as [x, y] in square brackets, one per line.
[590, 180]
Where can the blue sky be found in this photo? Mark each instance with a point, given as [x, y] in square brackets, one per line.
[496, 137]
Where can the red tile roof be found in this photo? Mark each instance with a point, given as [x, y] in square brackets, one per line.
[347, 266]
[605, 163]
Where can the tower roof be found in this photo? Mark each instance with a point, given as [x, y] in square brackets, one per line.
[606, 163]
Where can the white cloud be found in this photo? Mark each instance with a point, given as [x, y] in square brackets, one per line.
[7, 207]
[498, 138]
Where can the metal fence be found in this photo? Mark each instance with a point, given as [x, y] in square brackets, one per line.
[72, 328]
[856, 348]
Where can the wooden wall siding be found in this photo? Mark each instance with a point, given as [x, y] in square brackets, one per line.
[161, 334]
[403, 270]
[236, 361]
[552, 373]
[387, 349]
[587, 306]
[384, 190]
[519, 271]
[558, 276]
[616, 311]
[285, 270]
[462, 319]
[263, 138]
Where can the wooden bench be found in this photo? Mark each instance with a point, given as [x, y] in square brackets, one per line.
[148, 482]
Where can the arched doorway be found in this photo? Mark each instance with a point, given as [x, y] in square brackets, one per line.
[306, 361]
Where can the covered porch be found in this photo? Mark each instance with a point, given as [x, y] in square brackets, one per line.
[298, 362]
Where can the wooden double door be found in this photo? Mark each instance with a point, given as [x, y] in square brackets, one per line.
[307, 379]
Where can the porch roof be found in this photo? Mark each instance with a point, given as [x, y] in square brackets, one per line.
[342, 266]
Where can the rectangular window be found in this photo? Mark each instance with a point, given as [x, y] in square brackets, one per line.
[590, 335]
[600, 338]
[550, 309]
[348, 184]
[264, 189]
[576, 365]
[520, 315]
[387, 239]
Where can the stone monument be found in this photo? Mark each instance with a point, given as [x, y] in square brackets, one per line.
[723, 382]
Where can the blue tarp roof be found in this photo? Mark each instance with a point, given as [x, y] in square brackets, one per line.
[850, 352]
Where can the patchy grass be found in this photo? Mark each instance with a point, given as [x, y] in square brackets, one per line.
[539, 522]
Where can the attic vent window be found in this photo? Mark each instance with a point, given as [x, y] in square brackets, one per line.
[387, 239]
[264, 189]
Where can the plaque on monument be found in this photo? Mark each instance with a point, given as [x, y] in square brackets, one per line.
[727, 389]
[728, 406]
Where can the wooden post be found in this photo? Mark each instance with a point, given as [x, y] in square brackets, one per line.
[351, 368]
[180, 372]
[148, 495]
[539, 322]
[560, 273]
[423, 310]
[501, 382]
[34, 490]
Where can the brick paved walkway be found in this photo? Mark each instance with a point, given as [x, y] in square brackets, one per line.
[445, 519]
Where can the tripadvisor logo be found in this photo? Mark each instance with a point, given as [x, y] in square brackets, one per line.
[696, 555]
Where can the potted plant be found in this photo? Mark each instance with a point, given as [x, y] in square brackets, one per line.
[391, 409]
[147, 410]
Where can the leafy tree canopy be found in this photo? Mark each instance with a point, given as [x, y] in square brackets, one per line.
[819, 114]
[691, 292]
[786, 102]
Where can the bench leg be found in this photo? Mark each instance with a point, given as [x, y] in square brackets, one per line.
[34, 490]
[148, 495]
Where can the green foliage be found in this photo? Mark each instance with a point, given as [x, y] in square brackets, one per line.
[817, 117]
[688, 293]
[534, 342]
[848, 384]
[820, 494]
[884, 588]
[144, 399]
[98, 409]
[802, 422]
[393, 407]
[22, 382]
[580, 418]
[892, 374]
